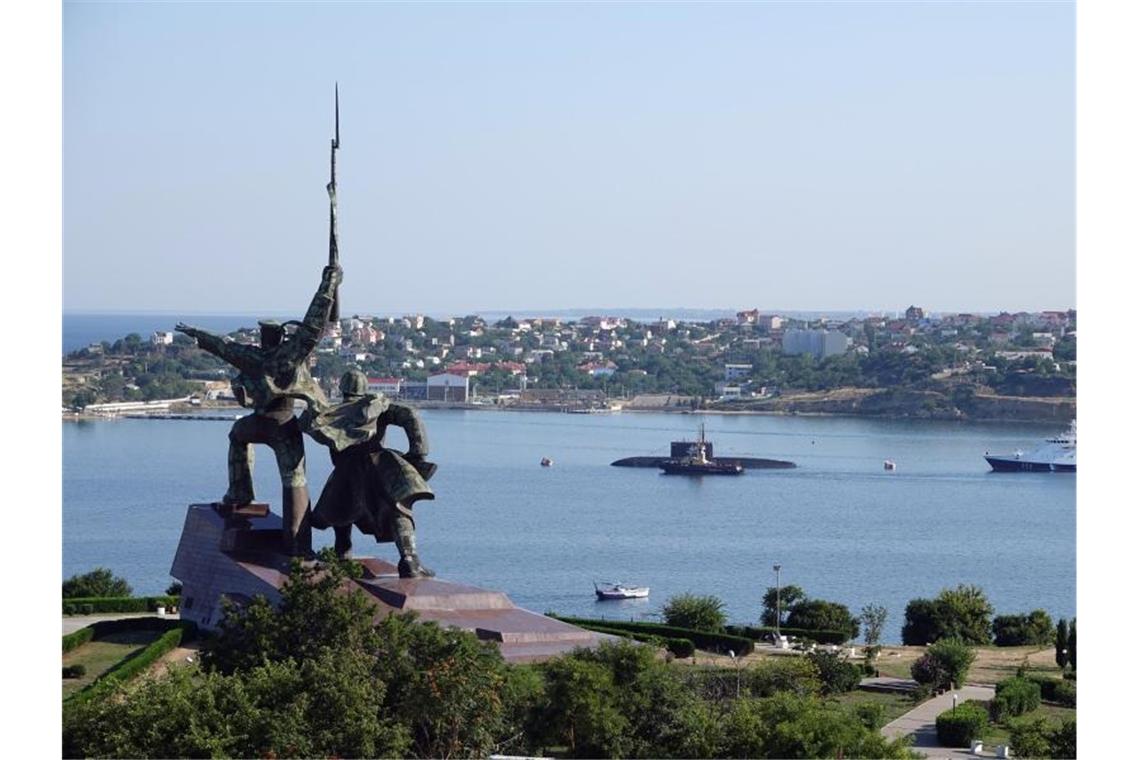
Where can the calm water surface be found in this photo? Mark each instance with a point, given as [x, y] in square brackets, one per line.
[842, 527]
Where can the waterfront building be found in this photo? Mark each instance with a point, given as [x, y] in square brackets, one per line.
[736, 372]
[447, 386]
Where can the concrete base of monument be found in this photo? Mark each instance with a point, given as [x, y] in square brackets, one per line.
[236, 555]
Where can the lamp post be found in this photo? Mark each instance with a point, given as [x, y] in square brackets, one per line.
[736, 662]
[776, 567]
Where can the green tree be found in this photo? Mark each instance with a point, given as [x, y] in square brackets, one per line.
[1061, 644]
[1073, 644]
[1022, 630]
[582, 710]
[962, 612]
[874, 618]
[702, 613]
[98, 582]
[789, 595]
[820, 615]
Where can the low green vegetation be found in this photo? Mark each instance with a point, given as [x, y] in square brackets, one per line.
[944, 665]
[316, 677]
[700, 613]
[98, 582]
[960, 725]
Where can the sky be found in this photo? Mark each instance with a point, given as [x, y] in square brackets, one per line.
[806, 156]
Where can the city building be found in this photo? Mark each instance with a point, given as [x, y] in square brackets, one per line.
[818, 343]
[448, 387]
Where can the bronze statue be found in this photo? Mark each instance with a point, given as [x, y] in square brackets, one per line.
[371, 487]
[271, 376]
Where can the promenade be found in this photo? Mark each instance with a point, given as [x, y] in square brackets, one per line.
[920, 723]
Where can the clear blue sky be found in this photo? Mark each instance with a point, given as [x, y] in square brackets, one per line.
[519, 156]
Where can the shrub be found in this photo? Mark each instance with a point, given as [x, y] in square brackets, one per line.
[954, 657]
[713, 642]
[74, 671]
[1035, 628]
[91, 605]
[1030, 738]
[1013, 697]
[1065, 693]
[69, 609]
[774, 675]
[676, 646]
[871, 714]
[1061, 644]
[958, 726]
[98, 582]
[928, 671]
[78, 638]
[132, 666]
[701, 613]
[836, 674]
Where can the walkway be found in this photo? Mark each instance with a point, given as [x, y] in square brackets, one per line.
[72, 623]
[920, 722]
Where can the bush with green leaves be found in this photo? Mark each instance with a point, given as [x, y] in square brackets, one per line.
[944, 664]
[1061, 643]
[701, 613]
[1041, 738]
[99, 582]
[960, 725]
[1034, 628]
[1014, 697]
[962, 612]
[836, 675]
[817, 614]
[74, 671]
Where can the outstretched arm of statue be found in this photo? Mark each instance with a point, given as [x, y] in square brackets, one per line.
[241, 356]
[408, 419]
[301, 343]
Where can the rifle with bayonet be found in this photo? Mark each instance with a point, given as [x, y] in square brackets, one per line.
[334, 252]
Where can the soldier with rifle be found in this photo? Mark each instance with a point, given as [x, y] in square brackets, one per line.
[271, 377]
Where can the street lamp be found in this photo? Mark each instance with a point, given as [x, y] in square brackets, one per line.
[736, 662]
[776, 567]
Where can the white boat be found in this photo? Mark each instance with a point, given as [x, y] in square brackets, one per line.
[620, 591]
[546, 462]
[1057, 454]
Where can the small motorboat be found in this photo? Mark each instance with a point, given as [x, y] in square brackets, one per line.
[546, 462]
[620, 591]
[888, 465]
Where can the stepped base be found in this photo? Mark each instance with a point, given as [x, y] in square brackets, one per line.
[237, 557]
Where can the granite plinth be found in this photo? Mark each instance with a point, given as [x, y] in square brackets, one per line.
[238, 557]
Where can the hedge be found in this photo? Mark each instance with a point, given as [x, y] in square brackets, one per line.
[78, 638]
[1063, 692]
[1013, 697]
[960, 725]
[176, 632]
[678, 647]
[706, 640]
[756, 633]
[88, 605]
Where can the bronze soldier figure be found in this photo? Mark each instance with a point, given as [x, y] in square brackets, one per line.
[371, 486]
[271, 376]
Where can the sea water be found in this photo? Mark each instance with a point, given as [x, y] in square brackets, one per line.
[843, 528]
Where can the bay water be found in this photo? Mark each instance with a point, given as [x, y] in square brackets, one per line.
[842, 527]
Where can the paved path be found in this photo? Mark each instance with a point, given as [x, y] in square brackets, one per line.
[920, 722]
[72, 623]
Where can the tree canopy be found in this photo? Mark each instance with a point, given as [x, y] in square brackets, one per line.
[99, 582]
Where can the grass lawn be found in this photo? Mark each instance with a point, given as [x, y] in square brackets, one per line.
[894, 705]
[100, 656]
[992, 664]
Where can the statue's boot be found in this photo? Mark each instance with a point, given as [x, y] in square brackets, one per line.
[410, 566]
[296, 527]
[343, 543]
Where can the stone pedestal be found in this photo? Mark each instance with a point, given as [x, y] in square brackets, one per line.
[237, 556]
